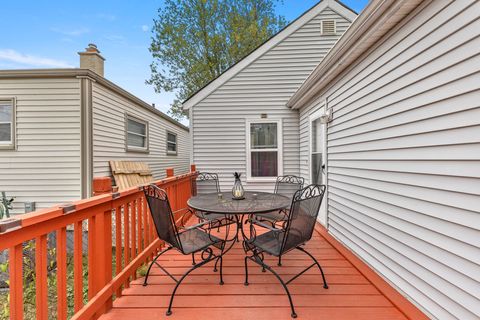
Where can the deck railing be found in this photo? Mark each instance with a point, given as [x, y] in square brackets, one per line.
[119, 227]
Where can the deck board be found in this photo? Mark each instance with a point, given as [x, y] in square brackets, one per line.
[350, 296]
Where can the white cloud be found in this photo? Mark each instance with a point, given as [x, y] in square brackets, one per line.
[9, 55]
[145, 28]
[72, 33]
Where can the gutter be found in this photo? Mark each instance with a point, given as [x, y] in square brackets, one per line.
[76, 72]
[376, 20]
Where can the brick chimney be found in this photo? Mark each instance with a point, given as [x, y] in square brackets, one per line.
[91, 59]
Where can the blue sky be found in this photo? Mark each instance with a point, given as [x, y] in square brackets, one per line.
[48, 34]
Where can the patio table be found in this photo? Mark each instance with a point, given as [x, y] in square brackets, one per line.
[253, 203]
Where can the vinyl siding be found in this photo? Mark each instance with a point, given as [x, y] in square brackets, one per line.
[109, 109]
[219, 121]
[45, 167]
[404, 158]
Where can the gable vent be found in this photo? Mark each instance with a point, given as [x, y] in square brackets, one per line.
[328, 27]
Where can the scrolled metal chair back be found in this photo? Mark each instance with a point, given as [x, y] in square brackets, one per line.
[206, 182]
[288, 185]
[303, 216]
[162, 215]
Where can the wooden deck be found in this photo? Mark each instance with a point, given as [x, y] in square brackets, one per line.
[355, 291]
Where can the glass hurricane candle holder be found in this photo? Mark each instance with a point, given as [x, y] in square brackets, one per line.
[237, 191]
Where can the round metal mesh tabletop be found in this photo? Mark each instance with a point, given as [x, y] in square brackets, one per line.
[254, 202]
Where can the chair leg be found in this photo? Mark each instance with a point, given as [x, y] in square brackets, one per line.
[169, 310]
[246, 272]
[325, 285]
[193, 259]
[221, 270]
[151, 264]
[294, 314]
[280, 261]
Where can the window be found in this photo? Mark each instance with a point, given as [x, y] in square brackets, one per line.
[137, 134]
[171, 143]
[316, 136]
[328, 27]
[7, 124]
[264, 149]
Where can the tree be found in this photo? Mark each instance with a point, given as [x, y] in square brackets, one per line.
[194, 41]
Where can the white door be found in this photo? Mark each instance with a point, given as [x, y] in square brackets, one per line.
[317, 157]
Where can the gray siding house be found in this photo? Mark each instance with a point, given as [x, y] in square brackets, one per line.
[252, 96]
[393, 113]
[59, 128]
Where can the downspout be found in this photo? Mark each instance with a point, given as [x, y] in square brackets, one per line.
[86, 140]
[325, 135]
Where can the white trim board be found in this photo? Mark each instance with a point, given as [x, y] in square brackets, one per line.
[267, 46]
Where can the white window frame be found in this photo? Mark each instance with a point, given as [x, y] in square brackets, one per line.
[134, 148]
[172, 153]
[9, 145]
[279, 149]
[315, 116]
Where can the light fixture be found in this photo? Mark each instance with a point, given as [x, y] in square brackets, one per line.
[326, 117]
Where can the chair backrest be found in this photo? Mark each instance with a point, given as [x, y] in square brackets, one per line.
[206, 183]
[303, 216]
[162, 215]
[288, 185]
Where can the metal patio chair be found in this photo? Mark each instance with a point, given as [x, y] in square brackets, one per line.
[297, 231]
[285, 186]
[189, 240]
[206, 182]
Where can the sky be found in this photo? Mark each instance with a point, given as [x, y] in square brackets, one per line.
[48, 34]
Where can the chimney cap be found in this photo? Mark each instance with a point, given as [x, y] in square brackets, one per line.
[92, 47]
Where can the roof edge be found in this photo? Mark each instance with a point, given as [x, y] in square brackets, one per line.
[266, 46]
[77, 72]
[341, 55]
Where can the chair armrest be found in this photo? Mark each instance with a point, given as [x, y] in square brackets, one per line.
[264, 225]
[195, 226]
[183, 220]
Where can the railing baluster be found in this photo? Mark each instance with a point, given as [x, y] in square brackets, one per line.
[133, 223]
[78, 265]
[91, 257]
[145, 223]
[62, 274]
[41, 290]
[16, 282]
[118, 245]
[126, 235]
[139, 224]
[107, 252]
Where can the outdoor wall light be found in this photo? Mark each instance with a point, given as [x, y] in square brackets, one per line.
[326, 117]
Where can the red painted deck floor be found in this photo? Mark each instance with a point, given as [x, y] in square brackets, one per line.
[355, 292]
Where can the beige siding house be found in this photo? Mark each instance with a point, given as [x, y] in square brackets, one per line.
[251, 96]
[402, 148]
[59, 128]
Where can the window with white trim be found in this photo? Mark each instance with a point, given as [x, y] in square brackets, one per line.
[7, 123]
[137, 134]
[264, 149]
[171, 143]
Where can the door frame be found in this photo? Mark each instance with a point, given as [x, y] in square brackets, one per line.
[323, 215]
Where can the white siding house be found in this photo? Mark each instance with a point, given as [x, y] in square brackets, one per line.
[252, 96]
[402, 148]
[59, 128]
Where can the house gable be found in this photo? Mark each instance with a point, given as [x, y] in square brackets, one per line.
[340, 10]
